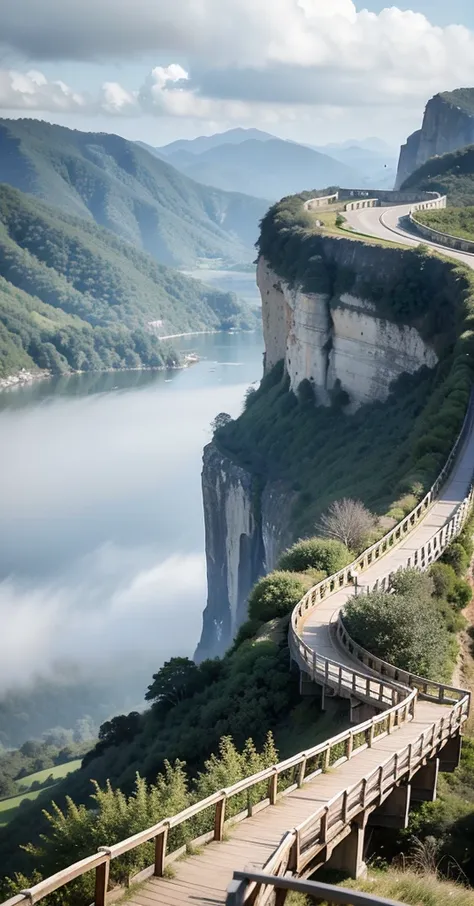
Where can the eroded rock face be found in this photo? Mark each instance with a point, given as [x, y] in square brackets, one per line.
[446, 127]
[336, 341]
[246, 530]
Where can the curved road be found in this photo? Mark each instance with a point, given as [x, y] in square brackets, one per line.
[387, 223]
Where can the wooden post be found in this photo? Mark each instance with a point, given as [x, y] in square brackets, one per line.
[280, 897]
[324, 826]
[327, 759]
[101, 883]
[349, 746]
[344, 806]
[161, 841]
[301, 773]
[273, 788]
[371, 735]
[219, 818]
[294, 859]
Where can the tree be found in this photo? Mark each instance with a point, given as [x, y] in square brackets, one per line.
[175, 681]
[348, 521]
[120, 729]
[220, 421]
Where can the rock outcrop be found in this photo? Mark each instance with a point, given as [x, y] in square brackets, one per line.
[247, 527]
[336, 342]
[448, 125]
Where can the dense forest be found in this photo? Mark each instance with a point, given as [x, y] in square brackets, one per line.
[451, 174]
[123, 187]
[75, 297]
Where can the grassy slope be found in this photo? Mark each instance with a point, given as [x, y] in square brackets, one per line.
[58, 772]
[451, 174]
[128, 190]
[455, 221]
[9, 807]
[63, 274]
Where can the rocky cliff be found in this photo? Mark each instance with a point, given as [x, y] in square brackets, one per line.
[247, 527]
[338, 342]
[356, 323]
[448, 124]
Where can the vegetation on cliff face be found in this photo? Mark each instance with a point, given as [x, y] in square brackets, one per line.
[121, 186]
[450, 174]
[74, 297]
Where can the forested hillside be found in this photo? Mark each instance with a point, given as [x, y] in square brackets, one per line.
[133, 193]
[451, 174]
[75, 297]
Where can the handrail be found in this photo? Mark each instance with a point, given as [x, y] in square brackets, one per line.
[238, 890]
[303, 654]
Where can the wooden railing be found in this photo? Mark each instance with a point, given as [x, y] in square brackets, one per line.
[341, 678]
[271, 784]
[301, 845]
[258, 883]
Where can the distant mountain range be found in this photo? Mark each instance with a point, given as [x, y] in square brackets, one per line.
[258, 163]
[133, 193]
[75, 297]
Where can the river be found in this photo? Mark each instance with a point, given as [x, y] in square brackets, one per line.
[101, 529]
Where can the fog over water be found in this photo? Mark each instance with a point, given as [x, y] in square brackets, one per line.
[101, 528]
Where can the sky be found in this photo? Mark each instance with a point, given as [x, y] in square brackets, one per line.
[315, 71]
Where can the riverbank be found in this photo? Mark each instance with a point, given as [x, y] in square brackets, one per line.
[23, 377]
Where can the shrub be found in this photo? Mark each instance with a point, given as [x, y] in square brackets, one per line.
[461, 595]
[276, 594]
[405, 631]
[444, 579]
[322, 554]
[456, 556]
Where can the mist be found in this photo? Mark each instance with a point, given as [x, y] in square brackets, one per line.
[102, 564]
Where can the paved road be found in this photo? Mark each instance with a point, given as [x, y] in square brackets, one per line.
[384, 223]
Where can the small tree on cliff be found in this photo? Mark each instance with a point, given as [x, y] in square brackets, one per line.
[348, 521]
[220, 421]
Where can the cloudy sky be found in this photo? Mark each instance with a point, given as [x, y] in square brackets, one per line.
[157, 70]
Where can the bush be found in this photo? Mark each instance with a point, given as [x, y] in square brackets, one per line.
[456, 556]
[403, 629]
[461, 595]
[444, 579]
[316, 553]
[276, 595]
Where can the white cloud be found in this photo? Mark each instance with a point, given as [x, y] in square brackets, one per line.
[243, 60]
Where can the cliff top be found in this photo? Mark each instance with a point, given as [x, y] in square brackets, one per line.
[461, 97]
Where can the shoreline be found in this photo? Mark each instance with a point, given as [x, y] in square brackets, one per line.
[191, 333]
[24, 378]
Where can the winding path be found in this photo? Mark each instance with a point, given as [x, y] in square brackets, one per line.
[316, 805]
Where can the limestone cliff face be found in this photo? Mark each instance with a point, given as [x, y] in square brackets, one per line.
[246, 530]
[336, 341]
[447, 126]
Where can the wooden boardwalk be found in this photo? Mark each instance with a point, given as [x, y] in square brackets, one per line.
[204, 878]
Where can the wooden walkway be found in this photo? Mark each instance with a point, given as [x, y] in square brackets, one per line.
[204, 878]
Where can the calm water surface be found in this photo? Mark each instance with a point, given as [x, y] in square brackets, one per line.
[101, 526]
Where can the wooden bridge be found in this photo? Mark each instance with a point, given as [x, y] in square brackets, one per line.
[313, 808]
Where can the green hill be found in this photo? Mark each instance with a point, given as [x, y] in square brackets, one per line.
[451, 174]
[133, 193]
[75, 297]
